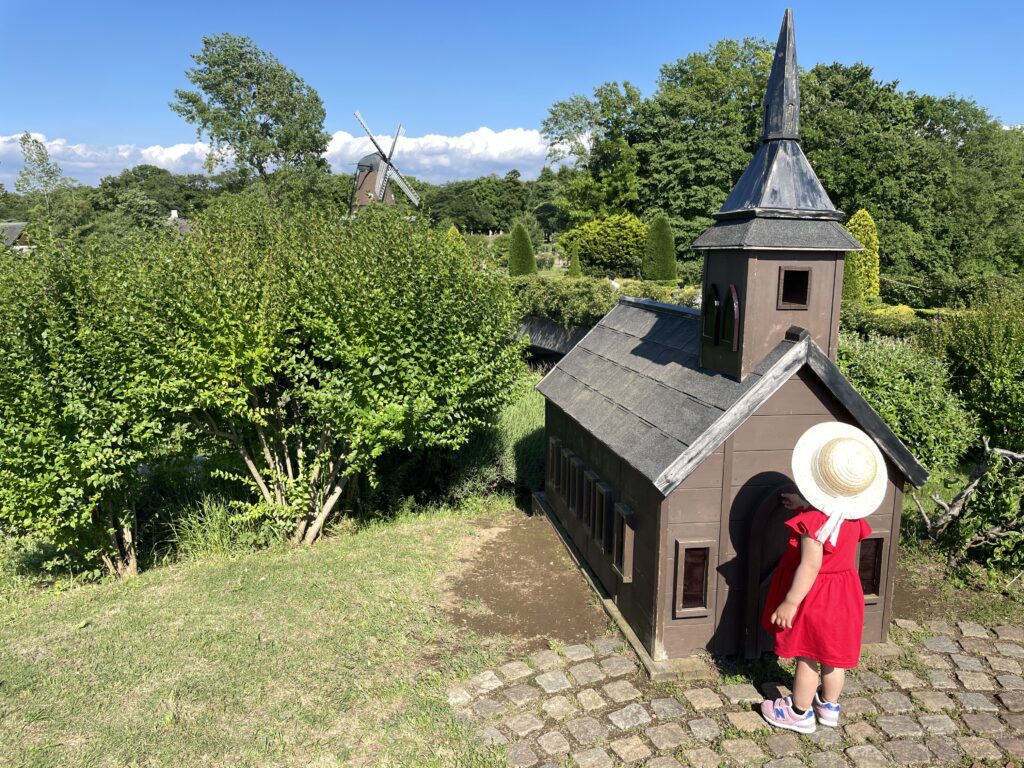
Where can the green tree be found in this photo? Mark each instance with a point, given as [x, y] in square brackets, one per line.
[660, 251]
[257, 113]
[860, 270]
[575, 270]
[57, 207]
[521, 260]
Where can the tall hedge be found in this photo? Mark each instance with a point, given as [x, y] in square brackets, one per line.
[521, 260]
[860, 274]
[660, 251]
[610, 247]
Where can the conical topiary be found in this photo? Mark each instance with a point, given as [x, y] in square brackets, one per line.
[860, 273]
[521, 260]
[660, 251]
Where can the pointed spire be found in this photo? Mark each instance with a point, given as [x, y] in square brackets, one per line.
[782, 99]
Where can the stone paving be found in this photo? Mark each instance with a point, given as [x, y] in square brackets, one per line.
[934, 695]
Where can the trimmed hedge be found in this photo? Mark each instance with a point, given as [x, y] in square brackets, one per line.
[612, 247]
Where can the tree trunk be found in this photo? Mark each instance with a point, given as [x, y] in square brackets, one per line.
[125, 561]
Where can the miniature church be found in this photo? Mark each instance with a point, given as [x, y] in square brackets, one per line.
[670, 431]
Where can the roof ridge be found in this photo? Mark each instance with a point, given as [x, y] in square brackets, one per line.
[643, 303]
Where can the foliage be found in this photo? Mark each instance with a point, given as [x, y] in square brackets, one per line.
[860, 273]
[985, 346]
[533, 229]
[612, 247]
[56, 207]
[311, 362]
[218, 526]
[910, 389]
[659, 251]
[257, 113]
[991, 527]
[569, 302]
[521, 260]
[899, 321]
[575, 270]
[80, 397]
[690, 271]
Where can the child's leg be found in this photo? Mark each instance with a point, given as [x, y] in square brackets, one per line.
[832, 681]
[805, 683]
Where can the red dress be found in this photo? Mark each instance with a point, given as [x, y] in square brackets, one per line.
[829, 623]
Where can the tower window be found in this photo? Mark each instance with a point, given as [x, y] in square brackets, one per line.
[731, 320]
[710, 307]
[794, 288]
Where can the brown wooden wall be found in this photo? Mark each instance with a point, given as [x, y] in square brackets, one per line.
[635, 598]
[751, 464]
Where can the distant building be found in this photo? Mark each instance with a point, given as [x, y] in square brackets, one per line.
[12, 234]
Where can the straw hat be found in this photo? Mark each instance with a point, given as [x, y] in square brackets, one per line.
[839, 470]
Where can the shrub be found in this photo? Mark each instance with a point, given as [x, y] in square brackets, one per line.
[521, 438]
[612, 247]
[533, 228]
[898, 322]
[660, 251]
[860, 273]
[575, 270]
[648, 289]
[82, 401]
[991, 526]
[545, 260]
[910, 389]
[690, 271]
[569, 302]
[521, 260]
[985, 346]
[217, 526]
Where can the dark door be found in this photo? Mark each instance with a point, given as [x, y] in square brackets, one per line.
[768, 539]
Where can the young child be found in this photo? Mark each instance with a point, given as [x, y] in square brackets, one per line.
[815, 604]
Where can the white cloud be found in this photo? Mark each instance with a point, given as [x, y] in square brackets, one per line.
[432, 157]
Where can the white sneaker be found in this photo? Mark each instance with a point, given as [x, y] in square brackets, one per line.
[825, 712]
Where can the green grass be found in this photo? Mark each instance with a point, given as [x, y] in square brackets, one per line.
[282, 657]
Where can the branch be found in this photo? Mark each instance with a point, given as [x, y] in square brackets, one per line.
[313, 532]
[920, 508]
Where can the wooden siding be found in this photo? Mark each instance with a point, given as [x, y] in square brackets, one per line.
[750, 465]
[620, 483]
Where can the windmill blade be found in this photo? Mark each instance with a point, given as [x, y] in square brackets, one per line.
[395, 142]
[404, 185]
[381, 184]
[370, 134]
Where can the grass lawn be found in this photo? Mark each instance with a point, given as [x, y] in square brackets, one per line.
[340, 654]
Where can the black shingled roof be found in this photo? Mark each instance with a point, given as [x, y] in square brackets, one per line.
[634, 383]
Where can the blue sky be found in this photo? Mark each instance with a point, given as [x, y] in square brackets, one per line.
[95, 78]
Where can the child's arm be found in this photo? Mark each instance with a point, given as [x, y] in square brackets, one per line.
[803, 579]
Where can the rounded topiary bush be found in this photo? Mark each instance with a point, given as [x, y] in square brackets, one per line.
[610, 247]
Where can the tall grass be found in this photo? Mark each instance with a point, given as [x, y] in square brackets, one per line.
[214, 526]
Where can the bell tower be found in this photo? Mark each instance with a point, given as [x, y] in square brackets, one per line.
[774, 256]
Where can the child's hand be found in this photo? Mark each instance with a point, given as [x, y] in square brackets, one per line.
[784, 614]
[793, 500]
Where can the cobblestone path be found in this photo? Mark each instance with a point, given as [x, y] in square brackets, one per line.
[934, 695]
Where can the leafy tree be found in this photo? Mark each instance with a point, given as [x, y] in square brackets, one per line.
[57, 207]
[860, 271]
[13, 207]
[257, 113]
[659, 251]
[521, 260]
[533, 229]
[612, 247]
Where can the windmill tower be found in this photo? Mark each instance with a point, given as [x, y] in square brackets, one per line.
[374, 174]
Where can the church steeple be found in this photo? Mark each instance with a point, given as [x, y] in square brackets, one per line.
[782, 98]
[774, 256]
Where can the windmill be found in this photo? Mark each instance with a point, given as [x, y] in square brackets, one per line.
[374, 174]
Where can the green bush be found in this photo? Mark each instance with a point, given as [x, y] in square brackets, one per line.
[575, 270]
[910, 389]
[860, 272]
[545, 260]
[582, 301]
[943, 290]
[83, 403]
[660, 251]
[521, 260]
[990, 529]
[690, 271]
[612, 247]
[985, 347]
[900, 321]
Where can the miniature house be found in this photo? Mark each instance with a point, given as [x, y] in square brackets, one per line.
[670, 431]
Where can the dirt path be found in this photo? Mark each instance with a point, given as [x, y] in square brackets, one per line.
[521, 583]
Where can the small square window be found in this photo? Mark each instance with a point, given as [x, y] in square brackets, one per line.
[694, 564]
[794, 288]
